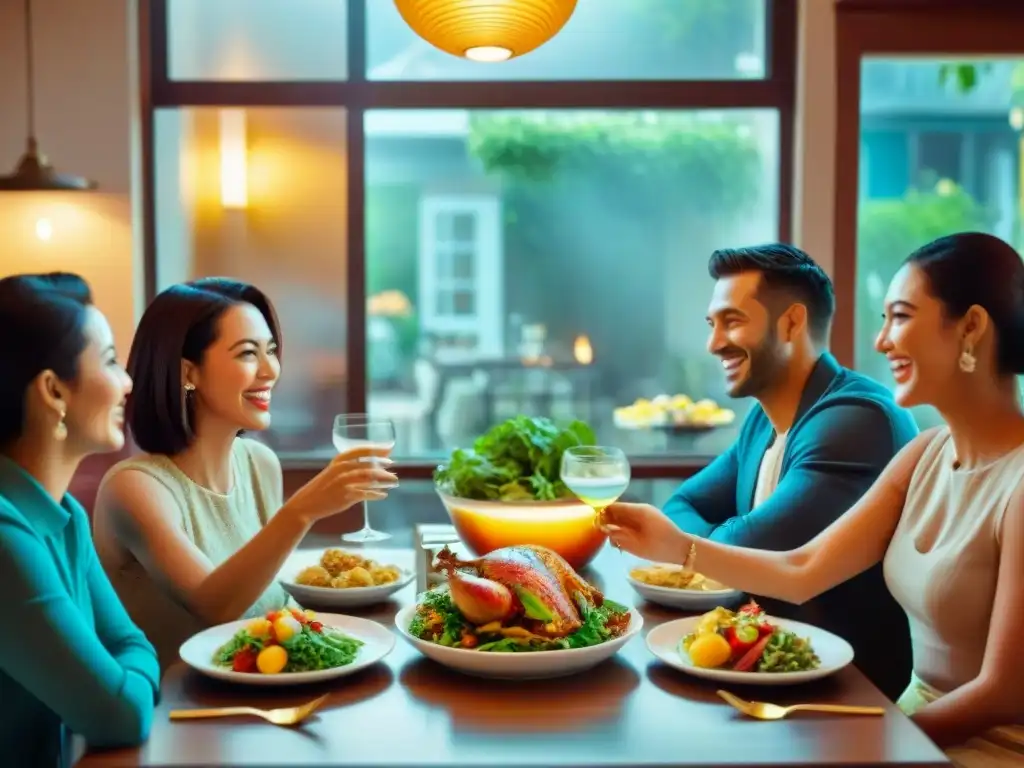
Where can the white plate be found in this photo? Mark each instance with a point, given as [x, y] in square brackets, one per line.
[349, 597]
[687, 599]
[199, 649]
[834, 652]
[518, 666]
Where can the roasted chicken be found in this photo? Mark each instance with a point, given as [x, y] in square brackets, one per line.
[533, 581]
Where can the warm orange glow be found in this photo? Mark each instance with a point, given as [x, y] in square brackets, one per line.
[582, 351]
[486, 30]
[566, 527]
[234, 165]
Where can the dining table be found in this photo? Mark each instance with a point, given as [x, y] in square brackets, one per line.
[631, 710]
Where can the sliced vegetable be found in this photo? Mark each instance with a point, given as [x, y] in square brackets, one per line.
[751, 657]
[741, 638]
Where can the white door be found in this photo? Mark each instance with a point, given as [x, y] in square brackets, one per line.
[461, 274]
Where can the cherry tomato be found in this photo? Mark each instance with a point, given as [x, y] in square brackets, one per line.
[752, 609]
[245, 660]
[316, 626]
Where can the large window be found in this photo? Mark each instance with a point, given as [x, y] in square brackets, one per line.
[940, 148]
[553, 262]
[449, 253]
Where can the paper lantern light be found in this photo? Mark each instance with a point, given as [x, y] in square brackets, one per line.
[486, 30]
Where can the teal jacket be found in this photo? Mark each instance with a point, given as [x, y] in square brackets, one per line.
[71, 661]
[847, 429]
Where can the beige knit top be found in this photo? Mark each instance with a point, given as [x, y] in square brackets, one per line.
[942, 565]
[218, 524]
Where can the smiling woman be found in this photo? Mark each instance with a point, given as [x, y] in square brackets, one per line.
[76, 663]
[194, 530]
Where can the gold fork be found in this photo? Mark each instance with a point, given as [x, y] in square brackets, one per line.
[764, 711]
[282, 716]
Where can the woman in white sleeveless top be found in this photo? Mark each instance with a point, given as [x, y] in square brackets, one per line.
[193, 531]
[946, 517]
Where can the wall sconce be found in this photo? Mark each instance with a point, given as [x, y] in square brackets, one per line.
[234, 166]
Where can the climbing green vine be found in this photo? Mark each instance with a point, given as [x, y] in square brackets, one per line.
[653, 159]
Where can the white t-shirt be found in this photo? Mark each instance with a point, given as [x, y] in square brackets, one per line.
[768, 474]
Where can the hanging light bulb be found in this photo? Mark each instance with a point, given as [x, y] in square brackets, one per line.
[34, 172]
[486, 30]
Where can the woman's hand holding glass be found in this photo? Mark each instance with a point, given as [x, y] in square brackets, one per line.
[347, 480]
[646, 532]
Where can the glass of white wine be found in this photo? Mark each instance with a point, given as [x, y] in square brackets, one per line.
[360, 430]
[597, 474]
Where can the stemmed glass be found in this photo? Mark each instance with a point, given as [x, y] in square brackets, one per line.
[597, 474]
[359, 430]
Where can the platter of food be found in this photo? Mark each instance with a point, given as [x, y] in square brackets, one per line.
[672, 586]
[747, 647]
[516, 613]
[342, 579]
[675, 412]
[287, 647]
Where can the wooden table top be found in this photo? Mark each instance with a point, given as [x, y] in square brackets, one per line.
[631, 710]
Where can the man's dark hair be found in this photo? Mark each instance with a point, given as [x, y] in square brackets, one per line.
[788, 275]
[180, 323]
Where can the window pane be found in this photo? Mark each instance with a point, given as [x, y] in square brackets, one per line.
[257, 39]
[935, 159]
[579, 219]
[284, 230]
[604, 40]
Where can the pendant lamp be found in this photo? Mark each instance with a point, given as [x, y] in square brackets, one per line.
[486, 30]
[34, 172]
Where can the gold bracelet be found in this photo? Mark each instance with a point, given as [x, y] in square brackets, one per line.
[691, 556]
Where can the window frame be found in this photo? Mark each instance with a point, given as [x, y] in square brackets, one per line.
[357, 94]
[870, 28]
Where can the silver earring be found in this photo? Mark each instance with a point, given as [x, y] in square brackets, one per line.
[967, 360]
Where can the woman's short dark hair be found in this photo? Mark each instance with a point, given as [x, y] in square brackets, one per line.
[971, 268]
[43, 319]
[179, 324]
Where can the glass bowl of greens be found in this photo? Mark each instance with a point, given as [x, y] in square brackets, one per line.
[506, 490]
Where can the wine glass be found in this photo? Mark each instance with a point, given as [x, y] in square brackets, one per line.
[359, 430]
[597, 474]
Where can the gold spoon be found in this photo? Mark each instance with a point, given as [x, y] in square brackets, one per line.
[764, 711]
[283, 716]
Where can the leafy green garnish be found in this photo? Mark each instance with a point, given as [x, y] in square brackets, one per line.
[517, 460]
[786, 652]
[449, 632]
[308, 651]
[449, 625]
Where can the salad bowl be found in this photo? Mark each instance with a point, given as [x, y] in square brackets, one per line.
[507, 490]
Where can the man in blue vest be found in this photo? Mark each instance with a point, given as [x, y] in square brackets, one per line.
[819, 437]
